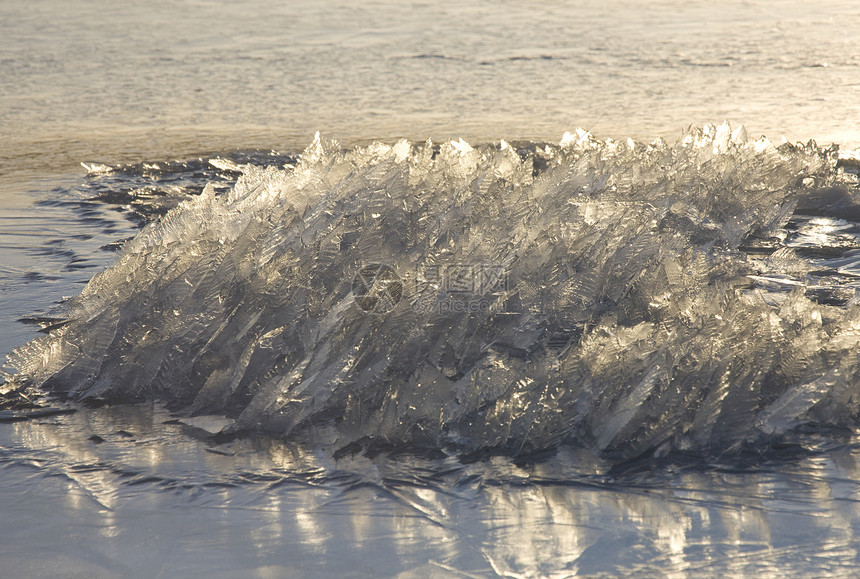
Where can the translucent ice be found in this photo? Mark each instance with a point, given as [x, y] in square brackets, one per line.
[602, 293]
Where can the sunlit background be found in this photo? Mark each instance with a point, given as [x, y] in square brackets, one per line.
[107, 81]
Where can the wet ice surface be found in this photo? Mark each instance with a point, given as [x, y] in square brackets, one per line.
[128, 491]
[99, 490]
[131, 491]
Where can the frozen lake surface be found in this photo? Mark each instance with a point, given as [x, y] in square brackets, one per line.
[160, 99]
[153, 498]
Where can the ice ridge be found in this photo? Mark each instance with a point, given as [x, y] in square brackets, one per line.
[594, 292]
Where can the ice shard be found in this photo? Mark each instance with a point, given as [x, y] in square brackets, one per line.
[594, 292]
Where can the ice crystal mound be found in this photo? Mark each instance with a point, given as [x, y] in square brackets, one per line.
[629, 319]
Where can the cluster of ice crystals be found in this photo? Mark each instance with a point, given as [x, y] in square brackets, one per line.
[629, 320]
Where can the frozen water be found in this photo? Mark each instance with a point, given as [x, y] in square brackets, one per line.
[631, 298]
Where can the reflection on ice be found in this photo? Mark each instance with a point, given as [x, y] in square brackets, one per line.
[267, 507]
[824, 232]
